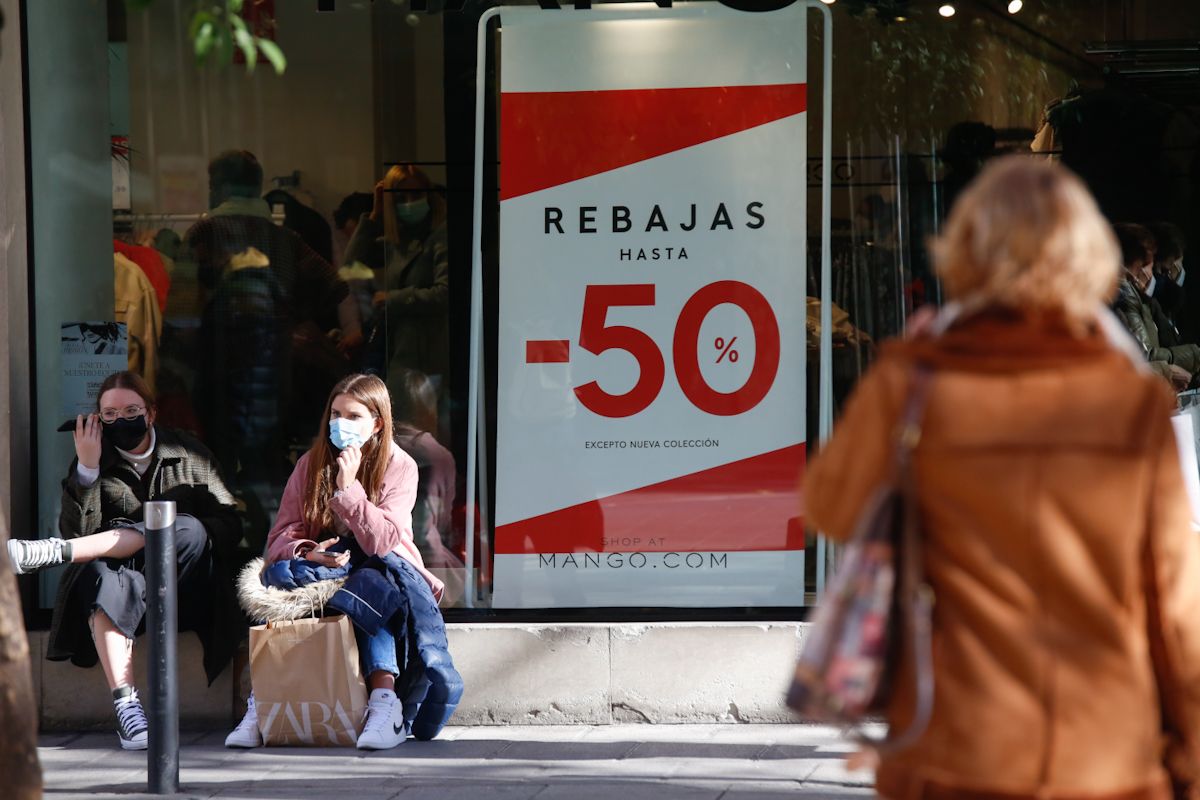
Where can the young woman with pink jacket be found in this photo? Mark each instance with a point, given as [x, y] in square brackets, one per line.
[351, 495]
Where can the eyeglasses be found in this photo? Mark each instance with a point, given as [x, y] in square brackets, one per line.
[128, 412]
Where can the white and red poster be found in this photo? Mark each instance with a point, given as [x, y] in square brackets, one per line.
[650, 431]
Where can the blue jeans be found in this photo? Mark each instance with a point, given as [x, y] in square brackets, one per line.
[378, 652]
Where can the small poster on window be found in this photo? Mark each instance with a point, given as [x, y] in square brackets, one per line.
[91, 351]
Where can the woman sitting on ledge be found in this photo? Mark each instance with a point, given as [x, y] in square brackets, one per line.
[122, 462]
[347, 511]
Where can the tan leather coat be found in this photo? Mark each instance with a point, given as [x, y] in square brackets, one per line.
[1058, 542]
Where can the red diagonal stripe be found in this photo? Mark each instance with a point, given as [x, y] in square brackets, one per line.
[751, 504]
[551, 138]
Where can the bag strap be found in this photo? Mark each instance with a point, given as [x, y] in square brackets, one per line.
[908, 429]
[914, 595]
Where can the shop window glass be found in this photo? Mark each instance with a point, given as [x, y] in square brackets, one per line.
[271, 234]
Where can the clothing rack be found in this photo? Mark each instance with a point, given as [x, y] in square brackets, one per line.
[277, 216]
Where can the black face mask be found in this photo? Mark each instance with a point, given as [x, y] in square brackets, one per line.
[125, 434]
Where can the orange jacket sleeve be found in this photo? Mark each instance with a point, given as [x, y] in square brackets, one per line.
[851, 465]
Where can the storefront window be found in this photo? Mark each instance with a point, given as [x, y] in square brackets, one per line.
[649, 238]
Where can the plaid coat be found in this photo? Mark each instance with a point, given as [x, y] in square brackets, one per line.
[182, 470]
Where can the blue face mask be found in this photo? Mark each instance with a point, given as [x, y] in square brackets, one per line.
[344, 433]
[412, 213]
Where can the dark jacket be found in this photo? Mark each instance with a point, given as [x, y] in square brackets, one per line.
[182, 470]
[304, 304]
[243, 368]
[417, 282]
[1137, 314]
[294, 573]
[1170, 296]
[388, 591]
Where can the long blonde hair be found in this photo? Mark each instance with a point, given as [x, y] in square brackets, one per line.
[1028, 235]
[322, 456]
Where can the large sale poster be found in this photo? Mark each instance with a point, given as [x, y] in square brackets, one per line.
[650, 424]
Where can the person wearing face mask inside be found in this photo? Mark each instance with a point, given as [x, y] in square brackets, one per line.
[124, 460]
[404, 240]
[347, 512]
[1139, 312]
[1169, 289]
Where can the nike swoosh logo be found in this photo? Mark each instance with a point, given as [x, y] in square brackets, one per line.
[397, 729]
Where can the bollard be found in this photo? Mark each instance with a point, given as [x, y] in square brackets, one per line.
[161, 626]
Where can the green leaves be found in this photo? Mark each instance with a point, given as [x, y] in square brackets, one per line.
[245, 41]
[217, 30]
[273, 54]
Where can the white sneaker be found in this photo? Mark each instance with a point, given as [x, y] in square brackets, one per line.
[31, 555]
[131, 721]
[385, 722]
[246, 735]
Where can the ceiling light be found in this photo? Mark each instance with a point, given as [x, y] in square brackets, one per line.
[946, 10]
[828, 2]
[901, 19]
[1015, 5]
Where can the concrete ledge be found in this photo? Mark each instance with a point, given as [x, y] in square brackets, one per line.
[70, 698]
[518, 674]
[701, 673]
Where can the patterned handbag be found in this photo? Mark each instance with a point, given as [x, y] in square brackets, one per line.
[876, 609]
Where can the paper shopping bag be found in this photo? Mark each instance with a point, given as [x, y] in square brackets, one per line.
[308, 685]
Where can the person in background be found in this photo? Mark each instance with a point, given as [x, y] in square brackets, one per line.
[1169, 246]
[122, 462]
[403, 239]
[348, 213]
[362, 282]
[1139, 312]
[265, 358]
[1055, 526]
[416, 422]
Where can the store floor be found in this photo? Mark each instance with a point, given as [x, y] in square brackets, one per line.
[623, 762]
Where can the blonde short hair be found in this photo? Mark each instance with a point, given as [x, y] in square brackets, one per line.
[1027, 234]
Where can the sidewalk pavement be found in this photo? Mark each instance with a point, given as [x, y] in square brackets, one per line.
[622, 762]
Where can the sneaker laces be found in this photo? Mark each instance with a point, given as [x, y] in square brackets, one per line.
[377, 715]
[32, 554]
[131, 717]
[250, 720]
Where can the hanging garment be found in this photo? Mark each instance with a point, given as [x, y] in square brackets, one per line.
[136, 304]
[151, 262]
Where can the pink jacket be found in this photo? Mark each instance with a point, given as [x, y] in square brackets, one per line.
[382, 528]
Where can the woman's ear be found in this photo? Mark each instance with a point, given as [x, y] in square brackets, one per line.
[151, 415]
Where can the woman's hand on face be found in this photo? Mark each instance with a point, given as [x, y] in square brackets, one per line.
[87, 440]
[348, 462]
[377, 208]
[324, 559]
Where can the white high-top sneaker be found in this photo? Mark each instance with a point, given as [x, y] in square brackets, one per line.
[385, 722]
[246, 735]
[32, 555]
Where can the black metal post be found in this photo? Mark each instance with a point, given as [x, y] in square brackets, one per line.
[162, 605]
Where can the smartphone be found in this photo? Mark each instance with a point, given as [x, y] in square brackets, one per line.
[68, 426]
